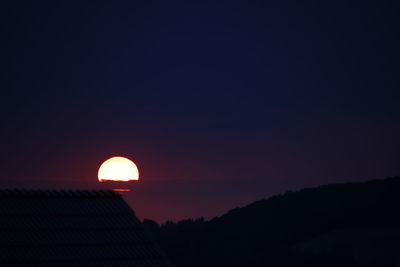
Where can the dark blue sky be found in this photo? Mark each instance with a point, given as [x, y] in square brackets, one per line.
[219, 103]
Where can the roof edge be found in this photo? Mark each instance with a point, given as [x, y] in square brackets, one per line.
[38, 193]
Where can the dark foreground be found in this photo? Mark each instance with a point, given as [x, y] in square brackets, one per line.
[354, 224]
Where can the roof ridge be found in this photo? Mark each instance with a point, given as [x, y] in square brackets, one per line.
[54, 193]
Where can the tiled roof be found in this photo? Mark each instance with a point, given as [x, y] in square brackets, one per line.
[72, 228]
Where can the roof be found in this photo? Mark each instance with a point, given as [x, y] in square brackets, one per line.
[72, 228]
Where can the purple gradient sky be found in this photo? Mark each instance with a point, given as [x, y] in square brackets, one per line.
[218, 103]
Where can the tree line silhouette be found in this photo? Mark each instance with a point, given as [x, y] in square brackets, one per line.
[311, 227]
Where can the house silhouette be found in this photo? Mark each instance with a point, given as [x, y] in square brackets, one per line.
[72, 228]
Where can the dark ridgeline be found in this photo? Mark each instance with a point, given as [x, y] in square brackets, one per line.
[72, 228]
[354, 224]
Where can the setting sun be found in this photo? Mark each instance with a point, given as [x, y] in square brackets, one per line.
[118, 169]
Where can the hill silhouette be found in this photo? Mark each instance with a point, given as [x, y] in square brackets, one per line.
[353, 224]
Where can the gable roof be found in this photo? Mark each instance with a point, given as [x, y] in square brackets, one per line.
[72, 228]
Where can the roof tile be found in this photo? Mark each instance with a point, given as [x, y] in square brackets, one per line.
[72, 228]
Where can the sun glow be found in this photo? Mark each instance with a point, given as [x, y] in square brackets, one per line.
[118, 169]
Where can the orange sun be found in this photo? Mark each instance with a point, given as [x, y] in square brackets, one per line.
[118, 169]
